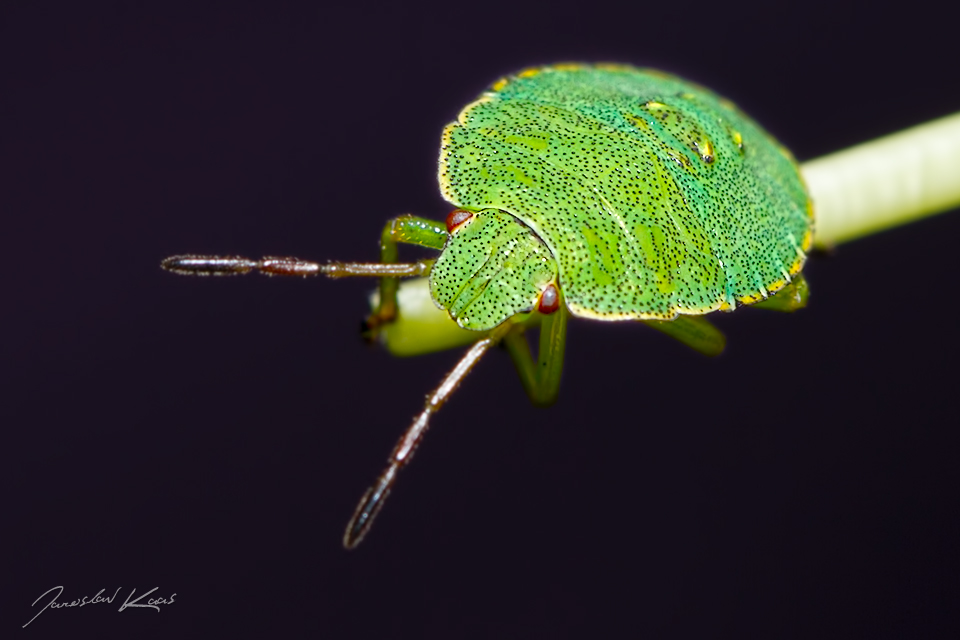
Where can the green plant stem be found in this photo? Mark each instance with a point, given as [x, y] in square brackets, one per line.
[885, 182]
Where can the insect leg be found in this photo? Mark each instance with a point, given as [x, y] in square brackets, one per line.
[373, 499]
[408, 230]
[790, 298]
[540, 379]
[694, 331]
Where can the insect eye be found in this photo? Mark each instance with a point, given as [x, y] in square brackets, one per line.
[456, 218]
[549, 300]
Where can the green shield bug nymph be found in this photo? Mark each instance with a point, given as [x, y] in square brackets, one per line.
[600, 191]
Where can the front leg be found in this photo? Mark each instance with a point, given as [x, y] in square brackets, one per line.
[407, 229]
[541, 379]
[792, 297]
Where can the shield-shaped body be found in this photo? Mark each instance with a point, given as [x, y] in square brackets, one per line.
[654, 197]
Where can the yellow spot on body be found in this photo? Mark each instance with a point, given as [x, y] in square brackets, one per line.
[566, 66]
[442, 174]
[462, 118]
[801, 256]
[751, 298]
[776, 285]
[796, 267]
[529, 73]
[445, 136]
[672, 314]
[613, 66]
[705, 147]
[654, 104]
[500, 84]
[656, 73]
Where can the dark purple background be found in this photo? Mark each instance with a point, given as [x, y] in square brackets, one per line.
[210, 438]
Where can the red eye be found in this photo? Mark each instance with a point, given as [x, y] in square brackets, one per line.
[549, 300]
[456, 218]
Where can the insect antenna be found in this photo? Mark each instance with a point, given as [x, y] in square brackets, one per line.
[193, 265]
[373, 499]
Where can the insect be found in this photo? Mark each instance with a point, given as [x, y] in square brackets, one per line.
[600, 191]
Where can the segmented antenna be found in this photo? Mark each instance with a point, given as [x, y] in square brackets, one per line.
[192, 265]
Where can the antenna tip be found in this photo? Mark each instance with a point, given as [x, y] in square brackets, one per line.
[192, 265]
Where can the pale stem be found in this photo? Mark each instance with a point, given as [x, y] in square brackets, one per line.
[885, 182]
